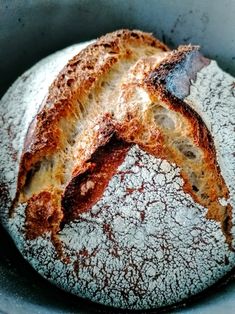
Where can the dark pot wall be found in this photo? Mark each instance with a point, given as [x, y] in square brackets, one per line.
[30, 30]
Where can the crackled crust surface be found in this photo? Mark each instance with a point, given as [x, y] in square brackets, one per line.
[146, 239]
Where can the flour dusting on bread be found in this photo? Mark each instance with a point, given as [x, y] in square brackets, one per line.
[120, 177]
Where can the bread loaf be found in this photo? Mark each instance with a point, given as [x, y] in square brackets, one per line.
[117, 182]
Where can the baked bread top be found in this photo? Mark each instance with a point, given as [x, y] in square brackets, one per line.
[122, 188]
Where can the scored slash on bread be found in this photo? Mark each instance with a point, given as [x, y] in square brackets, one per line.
[145, 111]
[55, 140]
[125, 189]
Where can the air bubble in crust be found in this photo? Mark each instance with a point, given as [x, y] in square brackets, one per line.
[164, 121]
[163, 118]
[187, 149]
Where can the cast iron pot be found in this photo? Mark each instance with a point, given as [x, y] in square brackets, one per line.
[29, 31]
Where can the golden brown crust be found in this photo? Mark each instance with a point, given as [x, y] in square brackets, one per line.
[67, 93]
[66, 101]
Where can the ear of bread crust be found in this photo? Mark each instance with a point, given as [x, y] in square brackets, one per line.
[171, 82]
[171, 129]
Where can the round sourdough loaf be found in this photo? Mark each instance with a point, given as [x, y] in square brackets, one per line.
[117, 172]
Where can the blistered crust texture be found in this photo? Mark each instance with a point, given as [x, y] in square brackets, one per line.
[152, 251]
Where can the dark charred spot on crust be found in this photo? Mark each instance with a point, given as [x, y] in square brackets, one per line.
[133, 34]
[87, 187]
[180, 67]
[70, 82]
[176, 72]
[107, 45]
[195, 188]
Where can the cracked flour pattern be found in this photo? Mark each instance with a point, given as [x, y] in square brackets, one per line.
[144, 244]
[212, 95]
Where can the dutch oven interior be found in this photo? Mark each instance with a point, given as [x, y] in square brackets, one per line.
[29, 31]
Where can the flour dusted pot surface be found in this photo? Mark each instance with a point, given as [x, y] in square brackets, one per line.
[134, 205]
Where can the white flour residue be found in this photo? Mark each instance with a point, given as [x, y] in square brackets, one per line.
[212, 95]
[148, 247]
